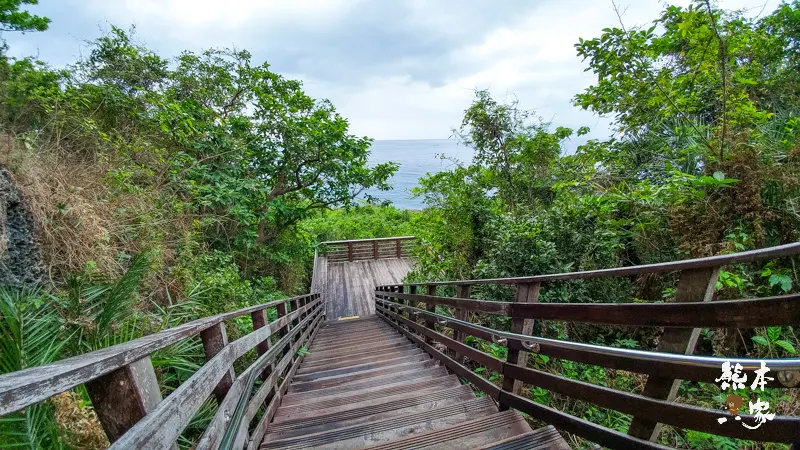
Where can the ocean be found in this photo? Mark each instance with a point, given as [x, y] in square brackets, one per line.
[416, 158]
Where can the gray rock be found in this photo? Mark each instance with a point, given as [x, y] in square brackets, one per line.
[20, 260]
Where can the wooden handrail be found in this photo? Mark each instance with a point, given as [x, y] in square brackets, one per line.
[687, 264]
[124, 373]
[682, 317]
[388, 239]
[687, 367]
[741, 313]
[364, 249]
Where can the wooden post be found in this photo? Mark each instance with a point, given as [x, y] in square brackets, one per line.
[694, 285]
[282, 312]
[123, 397]
[375, 250]
[526, 293]
[395, 302]
[413, 316]
[296, 304]
[431, 307]
[260, 321]
[462, 291]
[214, 340]
[349, 251]
[399, 248]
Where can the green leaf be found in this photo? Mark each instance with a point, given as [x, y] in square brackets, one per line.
[786, 345]
[760, 340]
[774, 333]
[782, 280]
[719, 176]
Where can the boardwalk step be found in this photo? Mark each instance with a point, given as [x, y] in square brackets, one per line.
[368, 399]
[371, 394]
[388, 429]
[423, 370]
[353, 346]
[355, 358]
[368, 415]
[542, 438]
[473, 433]
[363, 385]
[285, 422]
[348, 375]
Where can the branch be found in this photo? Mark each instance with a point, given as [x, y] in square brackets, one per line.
[232, 103]
[654, 80]
[724, 72]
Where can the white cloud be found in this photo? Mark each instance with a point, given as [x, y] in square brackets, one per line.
[399, 69]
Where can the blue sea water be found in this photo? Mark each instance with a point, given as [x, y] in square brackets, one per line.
[416, 158]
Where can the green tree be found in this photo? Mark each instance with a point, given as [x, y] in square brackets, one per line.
[14, 19]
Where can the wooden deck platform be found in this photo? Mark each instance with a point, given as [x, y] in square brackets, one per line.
[389, 394]
[349, 287]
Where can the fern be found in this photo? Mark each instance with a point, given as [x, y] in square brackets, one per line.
[30, 336]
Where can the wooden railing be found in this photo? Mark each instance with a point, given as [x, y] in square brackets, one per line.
[411, 308]
[125, 393]
[361, 249]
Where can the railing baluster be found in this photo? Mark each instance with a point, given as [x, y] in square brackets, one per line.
[282, 312]
[397, 244]
[214, 340]
[412, 315]
[694, 285]
[431, 307]
[375, 250]
[398, 288]
[123, 397]
[526, 293]
[349, 251]
[462, 291]
[259, 321]
[294, 305]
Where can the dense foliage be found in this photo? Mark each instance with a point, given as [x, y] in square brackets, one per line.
[705, 160]
[170, 189]
[165, 190]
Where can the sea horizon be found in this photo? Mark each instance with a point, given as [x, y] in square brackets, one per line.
[417, 158]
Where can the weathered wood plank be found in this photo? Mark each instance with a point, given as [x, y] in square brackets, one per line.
[349, 288]
[687, 264]
[695, 368]
[476, 355]
[461, 313]
[123, 397]
[583, 428]
[693, 286]
[162, 426]
[781, 429]
[430, 322]
[464, 304]
[526, 294]
[463, 372]
[214, 340]
[217, 427]
[263, 424]
[259, 319]
[743, 313]
[31, 386]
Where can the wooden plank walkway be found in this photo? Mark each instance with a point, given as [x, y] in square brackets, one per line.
[389, 395]
[349, 287]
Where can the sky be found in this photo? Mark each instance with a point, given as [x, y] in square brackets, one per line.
[397, 69]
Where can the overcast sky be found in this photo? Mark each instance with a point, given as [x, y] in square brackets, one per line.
[397, 69]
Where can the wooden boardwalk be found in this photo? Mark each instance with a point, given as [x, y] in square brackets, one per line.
[403, 375]
[349, 287]
[389, 394]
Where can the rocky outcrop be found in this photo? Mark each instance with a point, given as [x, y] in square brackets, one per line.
[20, 260]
